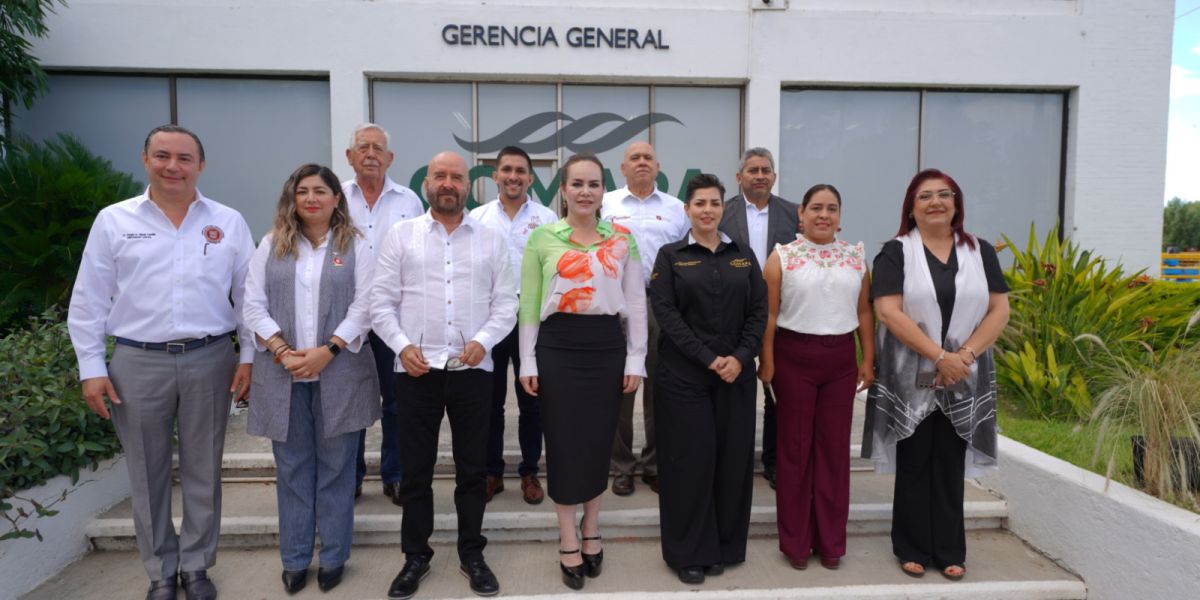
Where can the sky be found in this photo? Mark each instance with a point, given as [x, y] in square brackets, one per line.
[1183, 134]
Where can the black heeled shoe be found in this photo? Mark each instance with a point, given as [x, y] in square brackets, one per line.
[572, 576]
[592, 562]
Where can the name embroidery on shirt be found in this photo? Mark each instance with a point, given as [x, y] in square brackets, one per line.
[138, 236]
[687, 263]
[740, 263]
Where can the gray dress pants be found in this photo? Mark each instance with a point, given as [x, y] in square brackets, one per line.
[160, 394]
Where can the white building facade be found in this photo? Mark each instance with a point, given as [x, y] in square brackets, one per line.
[1044, 111]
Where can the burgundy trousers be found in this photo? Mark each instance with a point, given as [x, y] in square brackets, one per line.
[815, 377]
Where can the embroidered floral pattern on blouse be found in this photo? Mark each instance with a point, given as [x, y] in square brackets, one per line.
[839, 254]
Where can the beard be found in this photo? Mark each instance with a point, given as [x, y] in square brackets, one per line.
[439, 203]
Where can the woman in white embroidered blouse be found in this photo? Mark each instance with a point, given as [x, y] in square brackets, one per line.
[817, 298]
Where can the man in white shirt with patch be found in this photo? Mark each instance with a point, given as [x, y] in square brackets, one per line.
[443, 296]
[157, 275]
[514, 214]
[655, 218]
[376, 203]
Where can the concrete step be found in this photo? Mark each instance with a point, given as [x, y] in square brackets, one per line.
[250, 517]
[1000, 567]
[249, 466]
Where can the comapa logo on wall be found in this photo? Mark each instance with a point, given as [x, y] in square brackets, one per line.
[567, 137]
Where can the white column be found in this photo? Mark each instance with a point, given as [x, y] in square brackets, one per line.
[348, 106]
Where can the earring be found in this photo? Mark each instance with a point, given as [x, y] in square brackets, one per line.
[839, 230]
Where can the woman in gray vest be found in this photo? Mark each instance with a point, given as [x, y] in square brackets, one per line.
[314, 383]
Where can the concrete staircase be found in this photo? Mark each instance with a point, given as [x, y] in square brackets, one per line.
[522, 544]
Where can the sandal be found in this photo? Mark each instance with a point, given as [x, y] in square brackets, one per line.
[912, 569]
[954, 572]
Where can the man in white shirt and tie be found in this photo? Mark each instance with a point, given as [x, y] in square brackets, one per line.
[443, 295]
[655, 218]
[376, 203]
[157, 275]
[514, 214]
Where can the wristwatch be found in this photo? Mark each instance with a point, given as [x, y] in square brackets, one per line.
[334, 349]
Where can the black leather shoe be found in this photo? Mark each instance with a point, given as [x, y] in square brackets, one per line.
[572, 576]
[197, 586]
[483, 581]
[406, 583]
[769, 475]
[391, 490]
[652, 481]
[327, 579]
[294, 581]
[358, 491]
[714, 570]
[592, 562]
[692, 575]
[622, 485]
[163, 589]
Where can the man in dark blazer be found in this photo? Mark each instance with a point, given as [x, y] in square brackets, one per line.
[758, 219]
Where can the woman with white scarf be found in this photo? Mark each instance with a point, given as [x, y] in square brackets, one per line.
[931, 415]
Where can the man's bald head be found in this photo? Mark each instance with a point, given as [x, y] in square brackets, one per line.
[640, 168]
[446, 183]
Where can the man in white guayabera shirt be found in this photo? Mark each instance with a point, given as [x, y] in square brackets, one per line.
[376, 203]
[442, 296]
[157, 274]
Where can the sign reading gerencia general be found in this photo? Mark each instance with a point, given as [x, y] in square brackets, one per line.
[620, 38]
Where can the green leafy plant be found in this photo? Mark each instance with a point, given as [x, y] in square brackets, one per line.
[1059, 292]
[46, 428]
[49, 196]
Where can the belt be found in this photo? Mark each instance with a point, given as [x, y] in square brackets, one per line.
[175, 347]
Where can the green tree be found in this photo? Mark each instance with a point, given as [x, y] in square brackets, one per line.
[21, 78]
[1181, 224]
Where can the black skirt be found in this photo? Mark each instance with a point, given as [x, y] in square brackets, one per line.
[581, 366]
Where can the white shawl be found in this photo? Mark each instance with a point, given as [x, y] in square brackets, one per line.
[895, 405]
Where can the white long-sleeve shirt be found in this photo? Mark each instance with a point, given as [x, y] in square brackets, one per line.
[655, 221]
[307, 290]
[516, 230]
[441, 291]
[396, 203]
[141, 278]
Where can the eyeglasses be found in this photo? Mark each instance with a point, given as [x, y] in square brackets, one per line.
[454, 364]
[942, 195]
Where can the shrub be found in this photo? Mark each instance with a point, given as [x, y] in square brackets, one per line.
[1059, 292]
[46, 429]
[49, 196]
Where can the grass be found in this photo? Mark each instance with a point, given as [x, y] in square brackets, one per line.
[1072, 442]
[1076, 443]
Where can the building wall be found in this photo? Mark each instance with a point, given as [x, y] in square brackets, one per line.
[1112, 56]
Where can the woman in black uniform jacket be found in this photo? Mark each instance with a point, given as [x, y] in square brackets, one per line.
[710, 300]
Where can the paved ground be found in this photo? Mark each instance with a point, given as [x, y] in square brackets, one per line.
[632, 567]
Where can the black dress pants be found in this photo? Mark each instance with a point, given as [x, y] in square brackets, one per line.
[421, 401]
[706, 466]
[927, 506]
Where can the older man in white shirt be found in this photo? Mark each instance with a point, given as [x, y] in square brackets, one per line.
[376, 203]
[443, 296]
[514, 214]
[157, 274]
[656, 219]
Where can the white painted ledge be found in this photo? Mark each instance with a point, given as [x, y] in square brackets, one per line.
[26, 563]
[1122, 542]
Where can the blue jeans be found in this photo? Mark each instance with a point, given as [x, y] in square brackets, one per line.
[389, 449]
[315, 485]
